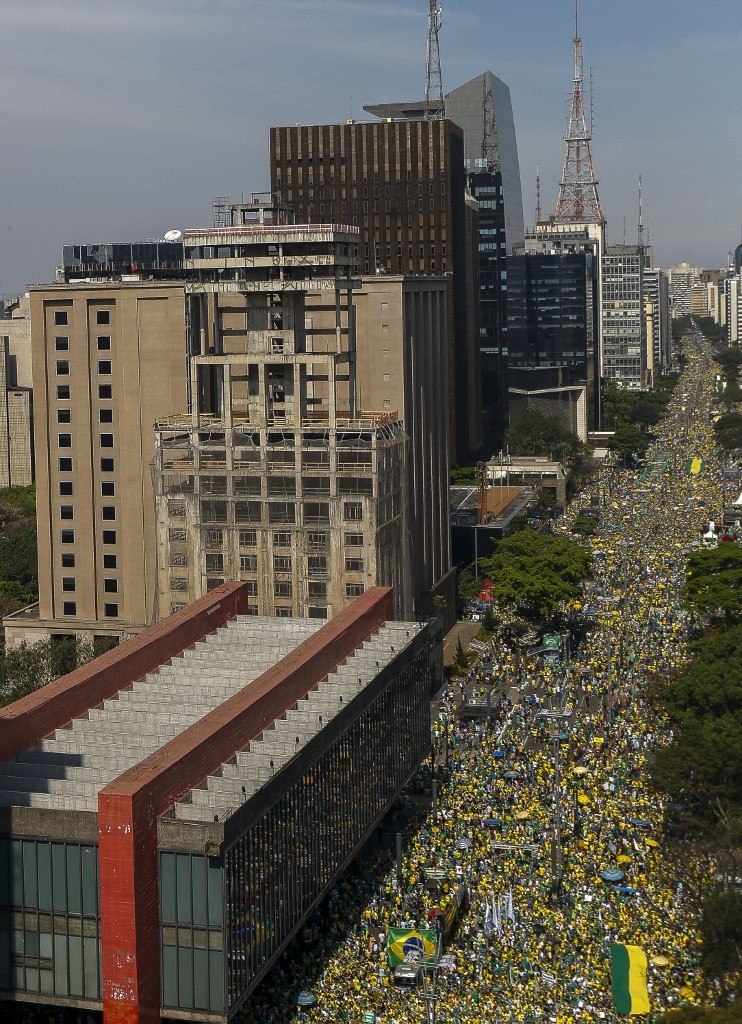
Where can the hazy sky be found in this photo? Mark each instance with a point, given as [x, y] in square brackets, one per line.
[123, 119]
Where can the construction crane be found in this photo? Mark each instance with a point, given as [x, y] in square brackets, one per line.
[434, 103]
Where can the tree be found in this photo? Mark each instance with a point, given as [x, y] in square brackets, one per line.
[647, 411]
[714, 581]
[585, 526]
[701, 767]
[489, 622]
[27, 667]
[537, 573]
[460, 658]
[729, 359]
[629, 443]
[731, 1014]
[721, 927]
[538, 434]
[617, 403]
[728, 430]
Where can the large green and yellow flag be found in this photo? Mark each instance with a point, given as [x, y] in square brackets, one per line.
[694, 466]
[630, 996]
[405, 945]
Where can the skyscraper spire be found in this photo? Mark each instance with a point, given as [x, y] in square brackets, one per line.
[578, 192]
[434, 103]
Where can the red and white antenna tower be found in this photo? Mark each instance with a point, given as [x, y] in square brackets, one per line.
[578, 192]
[434, 103]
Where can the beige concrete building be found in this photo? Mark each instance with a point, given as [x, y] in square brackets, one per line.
[108, 360]
[274, 477]
[401, 365]
[16, 403]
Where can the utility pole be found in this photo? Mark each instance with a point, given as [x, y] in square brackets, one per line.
[555, 718]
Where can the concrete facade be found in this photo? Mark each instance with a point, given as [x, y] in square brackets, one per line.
[108, 360]
[16, 396]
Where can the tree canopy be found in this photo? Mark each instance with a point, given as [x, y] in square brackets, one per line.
[539, 434]
[629, 441]
[714, 581]
[728, 430]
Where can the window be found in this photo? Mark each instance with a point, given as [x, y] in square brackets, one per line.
[63, 392]
[68, 560]
[104, 366]
[317, 613]
[69, 608]
[68, 583]
[318, 564]
[103, 316]
[108, 488]
[106, 465]
[252, 588]
[67, 512]
[283, 613]
[65, 488]
[106, 440]
[111, 586]
[354, 565]
[111, 611]
[386, 378]
[282, 563]
[317, 590]
[282, 539]
[354, 540]
[108, 512]
[64, 415]
[105, 391]
[62, 344]
[109, 536]
[214, 561]
[248, 538]
[64, 440]
[63, 368]
[282, 588]
[60, 317]
[104, 343]
[248, 563]
[317, 540]
[65, 464]
[109, 561]
[105, 415]
[352, 510]
[68, 536]
[353, 589]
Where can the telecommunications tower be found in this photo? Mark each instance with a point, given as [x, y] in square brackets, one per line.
[434, 104]
[578, 193]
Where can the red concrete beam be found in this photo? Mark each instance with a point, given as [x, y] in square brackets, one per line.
[31, 718]
[128, 808]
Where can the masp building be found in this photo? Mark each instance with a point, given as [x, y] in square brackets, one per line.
[172, 812]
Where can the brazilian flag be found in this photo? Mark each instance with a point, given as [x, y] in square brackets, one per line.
[629, 974]
[404, 945]
[694, 466]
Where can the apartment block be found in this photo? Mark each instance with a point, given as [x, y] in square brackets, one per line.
[273, 476]
[16, 396]
[628, 345]
[108, 360]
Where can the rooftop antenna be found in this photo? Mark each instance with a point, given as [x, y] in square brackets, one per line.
[538, 195]
[578, 190]
[640, 237]
[434, 104]
[624, 231]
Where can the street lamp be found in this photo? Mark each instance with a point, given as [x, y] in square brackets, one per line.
[554, 718]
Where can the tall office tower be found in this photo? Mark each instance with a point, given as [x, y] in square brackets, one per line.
[402, 184]
[108, 359]
[273, 477]
[483, 108]
[657, 303]
[682, 278]
[16, 394]
[628, 353]
[733, 309]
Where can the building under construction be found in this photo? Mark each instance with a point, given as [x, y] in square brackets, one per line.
[274, 477]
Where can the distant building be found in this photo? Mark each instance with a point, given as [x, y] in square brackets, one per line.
[482, 107]
[657, 314]
[682, 278]
[402, 184]
[628, 352]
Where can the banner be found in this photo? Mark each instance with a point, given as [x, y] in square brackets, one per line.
[629, 975]
[404, 945]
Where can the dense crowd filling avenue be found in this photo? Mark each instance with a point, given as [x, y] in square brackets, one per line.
[532, 938]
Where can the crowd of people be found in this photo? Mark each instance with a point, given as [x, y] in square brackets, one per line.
[545, 814]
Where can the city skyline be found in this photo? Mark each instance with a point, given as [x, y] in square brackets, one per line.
[125, 124]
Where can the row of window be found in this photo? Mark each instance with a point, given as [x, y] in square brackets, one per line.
[106, 440]
[104, 367]
[281, 563]
[108, 512]
[62, 343]
[61, 317]
[68, 559]
[281, 588]
[111, 611]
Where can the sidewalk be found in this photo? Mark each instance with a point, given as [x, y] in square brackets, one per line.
[466, 631]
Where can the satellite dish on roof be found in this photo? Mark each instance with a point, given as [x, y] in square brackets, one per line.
[173, 236]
